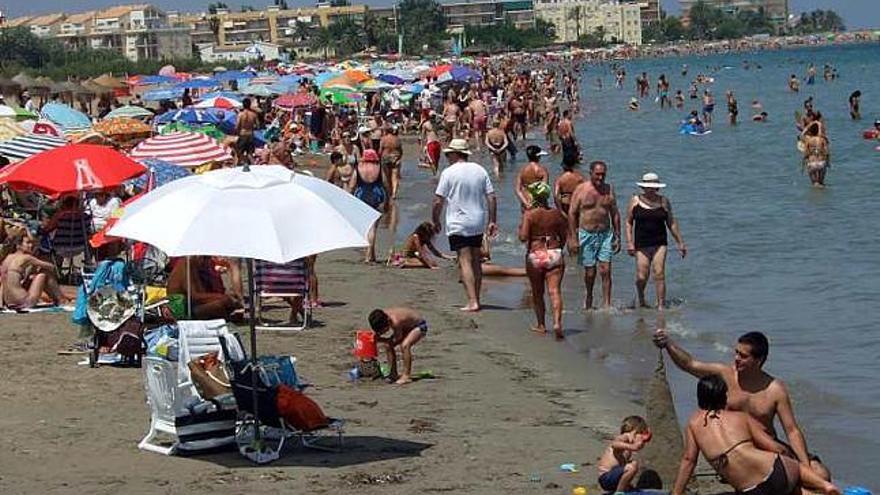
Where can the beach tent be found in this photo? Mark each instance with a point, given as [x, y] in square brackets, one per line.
[186, 149]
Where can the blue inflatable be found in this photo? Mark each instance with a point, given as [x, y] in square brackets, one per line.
[693, 130]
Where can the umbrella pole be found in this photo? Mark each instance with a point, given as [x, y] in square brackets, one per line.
[252, 322]
[188, 291]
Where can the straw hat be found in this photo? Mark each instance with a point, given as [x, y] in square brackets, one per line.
[651, 180]
[458, 145]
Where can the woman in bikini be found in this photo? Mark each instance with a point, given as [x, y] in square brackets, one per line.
[544, 231]
[648, 216]
[740, 450]
[24, 277]
[816, 156]
[565, 185]
[341, 170]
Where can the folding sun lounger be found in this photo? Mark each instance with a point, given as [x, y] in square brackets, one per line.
[288, 281]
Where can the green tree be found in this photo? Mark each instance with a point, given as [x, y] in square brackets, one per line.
[575, 15]
[380, 33]
[422, 23]
[323, 39]
[281, 4]
[349, 35]
[247, 8]
[705, 20]
[819, 21]
[545, 29]
[596, 39]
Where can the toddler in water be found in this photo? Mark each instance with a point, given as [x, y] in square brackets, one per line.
[617, 468]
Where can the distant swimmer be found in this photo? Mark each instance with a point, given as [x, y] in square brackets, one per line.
[594, 230]
[634, 104]
[693, 91]
[684, 70]
[663, 91]
[760, 117]
[708, 107]
[811, 75]
[732, 107]
[794, 85]
[816, 155]
[679, 99]
[854, 111]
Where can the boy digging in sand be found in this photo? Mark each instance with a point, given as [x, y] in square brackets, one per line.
[617, 468]
[407, 328]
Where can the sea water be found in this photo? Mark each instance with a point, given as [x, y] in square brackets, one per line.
[766, 250]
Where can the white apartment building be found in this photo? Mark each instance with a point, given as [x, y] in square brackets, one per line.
[621, 22]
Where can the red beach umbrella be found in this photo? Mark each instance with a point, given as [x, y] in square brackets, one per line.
[72, 168]
[295, 100]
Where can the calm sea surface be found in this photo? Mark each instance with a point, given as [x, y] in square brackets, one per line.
[767, 251]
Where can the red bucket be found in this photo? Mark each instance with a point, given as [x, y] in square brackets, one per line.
[365, 345]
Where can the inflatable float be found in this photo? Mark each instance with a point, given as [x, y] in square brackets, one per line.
[871, 134]
[693, 130]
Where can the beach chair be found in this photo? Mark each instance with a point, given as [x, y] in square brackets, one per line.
[160, 383]
[197, 338]
[289, 280]
[328, 438]
[69, 240]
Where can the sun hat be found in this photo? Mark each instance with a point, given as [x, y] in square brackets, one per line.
[534, 152]
[458, 145]
[370, 156]
[651, 180]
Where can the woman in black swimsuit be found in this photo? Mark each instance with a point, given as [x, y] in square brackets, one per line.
[740, 451]
[648, 216]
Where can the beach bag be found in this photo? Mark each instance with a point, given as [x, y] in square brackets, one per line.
[365, 345]
[279, 370]
[209, 376]
[205, 427]
[302, 413]
[127, 340]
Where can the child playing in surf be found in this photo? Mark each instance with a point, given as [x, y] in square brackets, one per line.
[407, 328]
[617, 468]
[416, 249]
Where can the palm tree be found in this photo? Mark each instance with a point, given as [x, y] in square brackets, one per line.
[575, 14]
[323, 39]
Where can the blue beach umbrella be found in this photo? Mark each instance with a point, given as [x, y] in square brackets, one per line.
[160, 94]
[191, 115]
[232, 95]
[153, 80]
[259, 90]
[163, 173]
[234, 75]
[68, 118]
[198, 84]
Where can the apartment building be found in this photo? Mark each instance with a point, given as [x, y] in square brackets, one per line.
[139, 32]
[520, 13]
[228, 30]
[650, 11]
[776, 10]
[621, 22]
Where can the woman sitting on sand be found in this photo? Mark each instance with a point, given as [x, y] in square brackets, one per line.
[24, 277]
[740, 450]
[544, 230]
[416, 249]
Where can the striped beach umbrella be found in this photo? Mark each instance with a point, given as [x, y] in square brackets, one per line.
[70, 120]
[187, 149]
[219, 102]
[21, 147]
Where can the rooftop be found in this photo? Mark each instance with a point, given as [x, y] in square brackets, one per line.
[46, 20]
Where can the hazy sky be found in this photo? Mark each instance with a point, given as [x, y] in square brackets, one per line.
[856, 13]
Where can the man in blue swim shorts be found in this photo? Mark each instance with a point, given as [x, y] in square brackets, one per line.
[594, 230]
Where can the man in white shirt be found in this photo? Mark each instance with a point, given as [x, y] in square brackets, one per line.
[467, 192]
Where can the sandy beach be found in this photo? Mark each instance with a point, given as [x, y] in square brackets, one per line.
[496, 419]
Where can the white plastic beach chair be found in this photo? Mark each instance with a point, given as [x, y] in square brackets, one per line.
[197, 338]
[160, 382]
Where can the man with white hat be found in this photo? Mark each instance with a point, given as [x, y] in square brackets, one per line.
[467, 192]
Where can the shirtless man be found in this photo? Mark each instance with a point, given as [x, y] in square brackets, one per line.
[529, 174]
[450, 118]
[594, 230]
[565, 128]
[751, 390]
[518, 111]
[391, 154]
[479, 117]
[565, 185]
[497, 142]
[245, 125]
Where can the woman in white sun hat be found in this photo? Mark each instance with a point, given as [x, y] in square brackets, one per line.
[648, 216]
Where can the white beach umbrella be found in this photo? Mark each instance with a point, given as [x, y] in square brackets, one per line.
[266, 212]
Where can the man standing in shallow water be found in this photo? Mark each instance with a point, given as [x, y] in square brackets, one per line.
[594, 230]
[751, 390]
